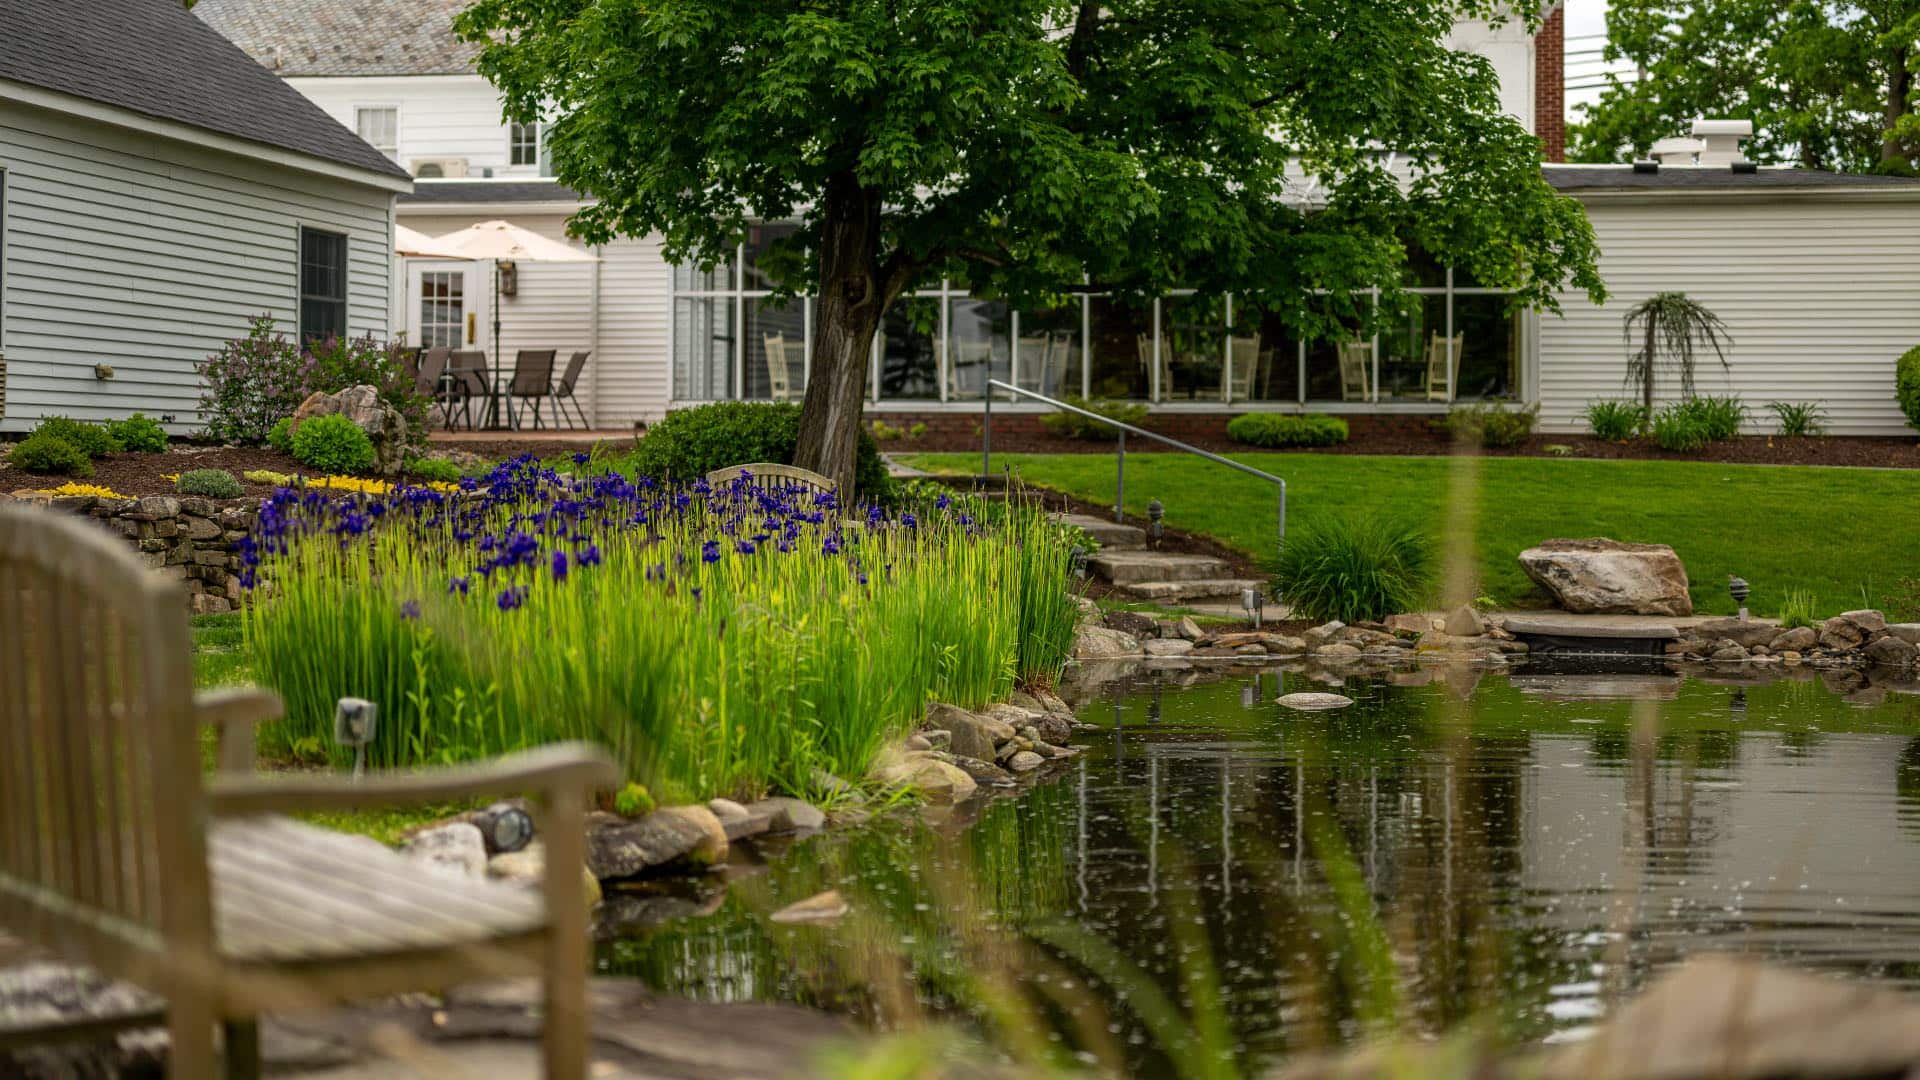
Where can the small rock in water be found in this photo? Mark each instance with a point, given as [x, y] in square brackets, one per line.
[1170, 647]
[1310, 702]
[917, 742]
[821, 907]
[791, 814]
[1465, 622]
[727, 810]
[1024, 761]
[457, 850]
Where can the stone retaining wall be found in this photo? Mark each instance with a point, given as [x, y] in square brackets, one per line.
[186, 537]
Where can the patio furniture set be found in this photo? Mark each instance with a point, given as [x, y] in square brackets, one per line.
[456, 380]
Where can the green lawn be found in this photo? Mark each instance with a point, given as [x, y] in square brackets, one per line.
[1850, 536]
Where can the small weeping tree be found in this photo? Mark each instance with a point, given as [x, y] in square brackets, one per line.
[1671, 328]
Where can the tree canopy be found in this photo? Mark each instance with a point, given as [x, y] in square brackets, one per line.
[1828, 84]
[1286, 153]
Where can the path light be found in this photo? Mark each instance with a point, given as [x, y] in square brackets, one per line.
[1155, 512]
[1253, 604]
[1737, 587]
[353, 726]
[505, 827]
[1077, 561]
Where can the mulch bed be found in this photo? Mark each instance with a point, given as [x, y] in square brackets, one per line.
[1896, 453]
[146, 474]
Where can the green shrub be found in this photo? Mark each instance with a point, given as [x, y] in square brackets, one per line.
[1492, 424]
[93, 440]
[1906, 385]
[139, 434]
[333, 444]
[1680, 429]
[690, 443]
[250, 383]
[633, 801]
[1799, 417]
[1616, 421]
[50, 454]
[1720, 416]
[1074, 426]
[1287, 429]
[1353, 569]
[1796, 609]
[213, 483]
[280, 436]
[336, 363]
[432, 470]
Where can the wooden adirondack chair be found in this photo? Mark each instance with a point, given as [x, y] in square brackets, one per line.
[119, 853]
[767, 473]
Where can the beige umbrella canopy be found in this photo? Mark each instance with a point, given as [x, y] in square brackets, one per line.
[503, 241]
[421, 246]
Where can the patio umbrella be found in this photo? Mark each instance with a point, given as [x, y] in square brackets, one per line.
[503, 241]
[419, 245]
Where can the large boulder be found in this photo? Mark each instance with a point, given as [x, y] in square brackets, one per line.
[1104, 643]
[672, 835]
[1607, 577]
[457, 850]
[361, 404]
[1746, 633]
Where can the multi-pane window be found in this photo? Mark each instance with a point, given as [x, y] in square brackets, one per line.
[380, 127]
[323, 284]
[443, 308]
[523, 144]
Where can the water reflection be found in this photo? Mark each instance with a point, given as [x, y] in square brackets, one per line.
[1513, 850]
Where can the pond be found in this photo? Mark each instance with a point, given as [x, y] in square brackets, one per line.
[1217, 875]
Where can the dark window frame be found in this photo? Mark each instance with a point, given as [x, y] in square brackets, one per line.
[322, 270]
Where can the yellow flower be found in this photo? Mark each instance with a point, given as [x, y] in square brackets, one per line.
[71, 488]
[170, 477]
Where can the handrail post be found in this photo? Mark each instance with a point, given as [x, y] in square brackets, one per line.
[986, 435]
[1283, 514]
[1120, 480]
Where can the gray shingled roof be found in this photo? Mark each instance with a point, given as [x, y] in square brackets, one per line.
[345, 37]
[1703, 177]
[489, 191]
[155, 58]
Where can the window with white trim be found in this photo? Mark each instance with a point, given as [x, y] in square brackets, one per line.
[323, 284]
[523, 144]
[379, 126]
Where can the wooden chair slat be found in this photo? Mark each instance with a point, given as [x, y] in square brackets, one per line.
[768, 474]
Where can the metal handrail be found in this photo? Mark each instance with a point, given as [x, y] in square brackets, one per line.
[1120, 459]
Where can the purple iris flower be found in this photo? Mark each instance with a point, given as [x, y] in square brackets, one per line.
[710, 551]
[559, 566]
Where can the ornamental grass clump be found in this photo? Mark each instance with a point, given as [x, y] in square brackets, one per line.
[717, 641]
[1354, 568]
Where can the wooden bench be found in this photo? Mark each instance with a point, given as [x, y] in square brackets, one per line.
[117, 852]
[767, 474]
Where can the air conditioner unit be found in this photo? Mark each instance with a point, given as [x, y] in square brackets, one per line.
[450, 168]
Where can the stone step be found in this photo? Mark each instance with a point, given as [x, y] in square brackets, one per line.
[1127, 567]
[1111, 535]
[1180, 591]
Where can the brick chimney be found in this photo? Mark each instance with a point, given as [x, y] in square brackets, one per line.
[1550, 84]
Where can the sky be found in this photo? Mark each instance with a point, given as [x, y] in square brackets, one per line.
[1586, 35]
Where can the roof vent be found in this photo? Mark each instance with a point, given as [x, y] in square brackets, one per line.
[1675, 151]
[1646, 167]
[1745, 167]
[1720, 140]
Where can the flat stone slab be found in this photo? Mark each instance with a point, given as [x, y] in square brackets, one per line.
[1176, 591]
[1127, 567]
[1310, 702]
[1568, 624]
[1111, 535]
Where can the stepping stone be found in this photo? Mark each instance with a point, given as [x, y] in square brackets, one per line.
[1128, 567]
[1208, 588]
[1307, 702]
[1111, 535]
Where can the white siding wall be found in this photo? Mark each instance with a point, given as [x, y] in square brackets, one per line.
[1510, 49]
[626, 380]
[1821, 296]
[441, 116]
[147, 254]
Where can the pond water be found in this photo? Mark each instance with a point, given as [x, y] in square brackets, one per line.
[1219, 875]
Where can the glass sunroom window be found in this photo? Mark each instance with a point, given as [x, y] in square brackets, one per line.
[979, 346]
[909, 350]
[1119, 346]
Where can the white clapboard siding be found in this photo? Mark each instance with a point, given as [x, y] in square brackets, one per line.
[147, 254]
[440, 116]
[636, 291]
[1821, 295]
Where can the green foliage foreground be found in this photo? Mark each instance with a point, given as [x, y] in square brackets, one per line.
[1843, 535]
[717, 641]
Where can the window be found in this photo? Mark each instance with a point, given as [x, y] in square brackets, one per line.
[323, 284]
[380, 127]
[523, 144]
[443, 308]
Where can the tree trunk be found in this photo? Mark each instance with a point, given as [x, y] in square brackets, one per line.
[1899, 85]
[850, 303]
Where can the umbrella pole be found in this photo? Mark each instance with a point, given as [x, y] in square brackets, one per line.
[496, 350]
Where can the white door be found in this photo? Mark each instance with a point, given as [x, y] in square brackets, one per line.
[445, 306]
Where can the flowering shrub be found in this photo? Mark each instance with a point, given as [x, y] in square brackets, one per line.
[337, 363]
[717, 641]
[333, 443]
[252, 382]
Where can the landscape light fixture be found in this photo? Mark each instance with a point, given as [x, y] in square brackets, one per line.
[1254, 605]
[1155, 512]
[353, 726]
[1737, 588]
[505, 827]
[1077, 562]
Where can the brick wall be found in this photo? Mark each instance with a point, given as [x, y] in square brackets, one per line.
[1549, 85]
[1022, 431]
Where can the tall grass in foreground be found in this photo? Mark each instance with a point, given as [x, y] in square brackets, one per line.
[716, 641]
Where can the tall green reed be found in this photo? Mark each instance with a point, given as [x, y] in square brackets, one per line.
[718, 642]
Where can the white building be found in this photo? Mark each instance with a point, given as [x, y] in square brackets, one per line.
[1816, 274]
[158, 189]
